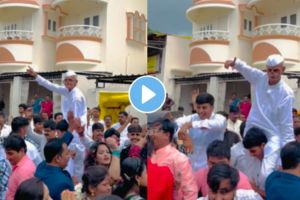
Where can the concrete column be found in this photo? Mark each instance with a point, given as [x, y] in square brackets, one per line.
[15, 96]
[176, 95]
[213, 89]
[221, 96]
[25, 91]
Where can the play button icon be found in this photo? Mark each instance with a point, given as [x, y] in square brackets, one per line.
[147, 94]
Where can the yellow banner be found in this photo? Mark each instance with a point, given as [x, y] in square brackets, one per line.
[153, 64]
[112, 103]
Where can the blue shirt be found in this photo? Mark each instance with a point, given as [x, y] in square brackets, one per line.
[282, 186]
[56, 179]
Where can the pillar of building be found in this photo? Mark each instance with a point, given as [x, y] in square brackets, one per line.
[221, 96]
[213, 89]
[15, 96]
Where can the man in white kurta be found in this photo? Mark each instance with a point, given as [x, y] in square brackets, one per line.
[273, 100]
[201, 129]
[73, 101]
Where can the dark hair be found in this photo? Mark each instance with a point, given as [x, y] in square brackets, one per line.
[92, 154]
[108, 197]
[220, 172]
[110, 132]
[130, 168]
[134, 119]
[242, 128]
[18, 123]
[107, 116]
[168, 126]
[205, 98]
[23, 105]
[14, 142]
[97, 126]
[231, 138]
[53, 148]
[134, 128]
[123, 113]
[254, 138]
[62, 125]
[50, 124]
[30, 189]
[97, 108]
[219, 149]
[57, 114]
[297, 131]
[234, 109]
[180, 108]
[290, 155]
[2, 114]
[295, 110]
[92, 177]
[37, 119]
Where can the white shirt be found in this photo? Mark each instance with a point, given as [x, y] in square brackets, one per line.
[256, 170]
[32, 153]
[215, 128]
[5, 131]
[242, 195]
[124, 140]
[73, 100]
[271, 106]
[234, 126]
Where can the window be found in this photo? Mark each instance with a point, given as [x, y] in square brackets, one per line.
[96, 20]
[136, 27]
[250, 26]
[293, 19]
[86, 21]
[245, 24]
[49, 24]
[54, 26]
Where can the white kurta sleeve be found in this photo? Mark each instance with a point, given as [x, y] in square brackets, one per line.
[251, 74]
[51, 86]
[286, 120]
[217, 123]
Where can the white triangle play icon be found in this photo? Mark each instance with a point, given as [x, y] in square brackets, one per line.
[147, 94]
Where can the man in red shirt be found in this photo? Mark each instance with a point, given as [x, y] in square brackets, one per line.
[47, 106]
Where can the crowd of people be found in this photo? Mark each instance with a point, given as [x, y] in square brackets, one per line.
[250, 153]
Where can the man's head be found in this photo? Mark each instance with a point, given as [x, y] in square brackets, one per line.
[275, 67]
[98, 130]
[38, 124]
[29, 112]
[61, 127]
[123, 117]
[218, 152]
[107, 121]
[15, 148]
[135, 121]
[56, 152]
[22, 108]
[295, 112]
[205, 105]
[70, 80]
[297, 134]
[296, 121]
[112, 133]
[290, 156]
[50, 129]
[255, 141]
[134, 133]
[222, 180]
[44, 116]
[58, 117]
[19, 125]
[246, 98]
[2, 118]
[47, 98]
[234, 113]
[96, 112]
[160, 129]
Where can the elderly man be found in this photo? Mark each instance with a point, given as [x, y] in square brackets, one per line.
[74, 101]
[273, 101]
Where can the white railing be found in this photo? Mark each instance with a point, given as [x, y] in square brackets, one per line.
[80, 30]
[277, 29]
[211, 35]
[16, 35]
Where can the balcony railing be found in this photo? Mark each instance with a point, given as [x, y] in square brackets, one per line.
[80, 30]
[211, 35]
[16, 35]
[277, 29]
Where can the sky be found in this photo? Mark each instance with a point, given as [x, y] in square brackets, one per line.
[168, 16]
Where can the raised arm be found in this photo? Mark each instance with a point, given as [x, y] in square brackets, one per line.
[45, 83]
[250, 74]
